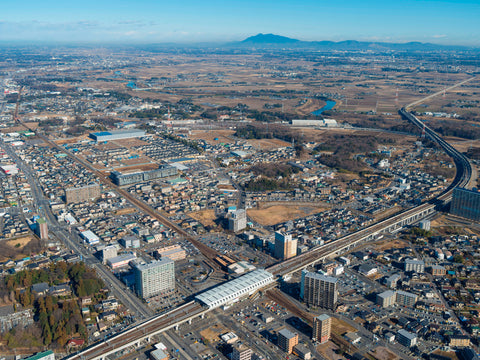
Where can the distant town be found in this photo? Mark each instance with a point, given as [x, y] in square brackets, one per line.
[250, 202]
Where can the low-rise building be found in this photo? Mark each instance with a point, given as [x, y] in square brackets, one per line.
[386, 298]
[406, 338]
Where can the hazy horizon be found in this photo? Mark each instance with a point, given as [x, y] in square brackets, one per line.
[211, 21]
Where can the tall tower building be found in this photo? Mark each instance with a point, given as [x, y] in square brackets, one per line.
[154, 278]
[319, 290]
[322, 326]
[285, 246]
[42, 229]
[238, 220]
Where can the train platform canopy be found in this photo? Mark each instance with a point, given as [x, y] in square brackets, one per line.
[232, 290]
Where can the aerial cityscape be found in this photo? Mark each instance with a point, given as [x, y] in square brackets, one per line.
[243, 191]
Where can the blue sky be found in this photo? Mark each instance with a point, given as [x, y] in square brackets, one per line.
[188, 21]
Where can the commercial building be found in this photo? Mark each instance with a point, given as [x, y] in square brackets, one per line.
[404, 298]
[90, 237]
[417, 266]
[154, 278]
[130, 241]
[241, 352]
[109, 252]
[42, 229]
[174, 252]
[285, 246]
[159, 354]
[319, 290]
[302, 352]
[322, 326]
[237, 220]
[81, 194]
[406, 338]
[287, 340]
[465, 203]
[233, 290]
[132, 177]
[46, 355]
[121, 261]
[116, 135]
[386, 298]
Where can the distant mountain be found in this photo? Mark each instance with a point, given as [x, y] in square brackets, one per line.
[269, 39]
[275, 41]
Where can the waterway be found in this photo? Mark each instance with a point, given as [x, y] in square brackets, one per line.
[328, 106]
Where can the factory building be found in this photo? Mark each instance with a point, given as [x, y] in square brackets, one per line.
[128, 178]
[116, 135]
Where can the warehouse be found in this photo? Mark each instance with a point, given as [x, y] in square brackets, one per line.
[231, 291]
[116, 135]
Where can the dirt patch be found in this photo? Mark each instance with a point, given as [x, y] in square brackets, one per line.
[19, 243]
[268, 144]
[329, 350]
[213, 137]
[280, 213]
[125, 211]
[449, 354]
[340, 327]
[205, 217]
[386, 245]
[382, 353]
[212, 334]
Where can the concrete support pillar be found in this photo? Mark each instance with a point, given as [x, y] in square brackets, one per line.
[189, 321]
[202, 316]
[176, 327]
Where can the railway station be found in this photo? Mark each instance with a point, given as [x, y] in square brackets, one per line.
[231, 291]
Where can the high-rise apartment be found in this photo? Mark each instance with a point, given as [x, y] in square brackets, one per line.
[155, 278]
[322, 326]
[285, 246]
[319, 290]
[42, 229]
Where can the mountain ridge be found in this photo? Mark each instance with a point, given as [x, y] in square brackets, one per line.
[274, 40]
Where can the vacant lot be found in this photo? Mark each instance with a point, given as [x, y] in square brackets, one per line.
[382, 353]
[205, 217]
[280, 213]
[268, 144]
[213, 137]
[340, 327]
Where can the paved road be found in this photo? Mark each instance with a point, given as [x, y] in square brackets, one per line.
[73, 241]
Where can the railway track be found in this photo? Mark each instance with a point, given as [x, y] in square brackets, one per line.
[206, 251]
[135, 333]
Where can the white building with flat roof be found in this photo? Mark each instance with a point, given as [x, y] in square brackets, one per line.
[231, 291]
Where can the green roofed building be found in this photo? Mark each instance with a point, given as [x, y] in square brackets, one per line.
[46, 355]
